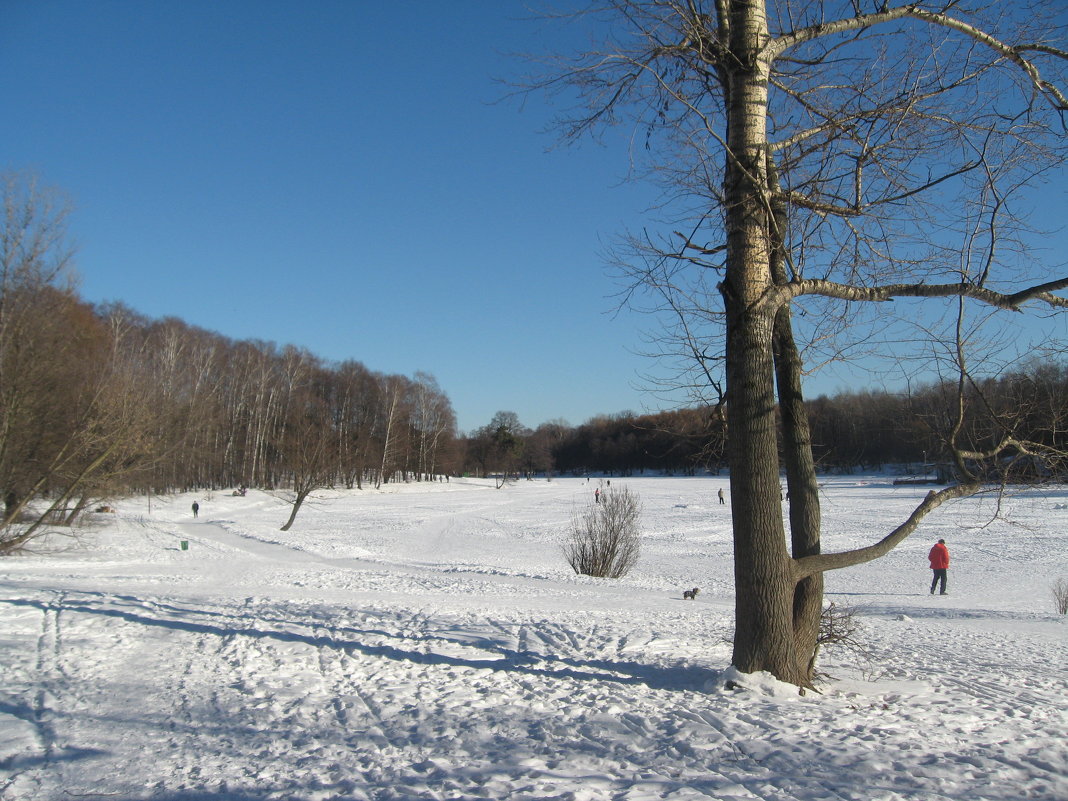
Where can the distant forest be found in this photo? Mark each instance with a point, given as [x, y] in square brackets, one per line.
[852, 431]
[96, 402]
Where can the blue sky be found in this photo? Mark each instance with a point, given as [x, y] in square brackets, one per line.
[345, 176]
[342, 176]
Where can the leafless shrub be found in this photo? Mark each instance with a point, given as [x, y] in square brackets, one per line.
[605, 539]
[839, 628]
[1059, 588]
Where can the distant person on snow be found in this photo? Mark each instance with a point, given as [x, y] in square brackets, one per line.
[597, 495]
[939, 557]
[196, 508]
[721, 496]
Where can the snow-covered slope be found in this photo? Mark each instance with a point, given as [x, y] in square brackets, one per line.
[429, 641]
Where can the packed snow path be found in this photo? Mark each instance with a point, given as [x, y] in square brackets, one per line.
[429, 642]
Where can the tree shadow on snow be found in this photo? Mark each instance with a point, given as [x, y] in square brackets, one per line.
[22, 762]
[255, 794]
[657, 677]
[937, 611]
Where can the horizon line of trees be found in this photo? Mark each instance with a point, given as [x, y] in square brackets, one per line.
[853, 430]
[214, 412]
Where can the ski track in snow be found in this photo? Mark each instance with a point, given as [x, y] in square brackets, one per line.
[429, 642]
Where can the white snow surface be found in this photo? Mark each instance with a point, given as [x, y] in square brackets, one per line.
[428, 641]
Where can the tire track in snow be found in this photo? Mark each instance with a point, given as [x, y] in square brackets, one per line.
[40, 711]
[1004, 696]
[48, 661]
[51, 705]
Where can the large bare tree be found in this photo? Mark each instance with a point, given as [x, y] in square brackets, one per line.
[830, 156]
[71, 419]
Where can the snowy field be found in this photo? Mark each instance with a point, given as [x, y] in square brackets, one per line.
[430, 642]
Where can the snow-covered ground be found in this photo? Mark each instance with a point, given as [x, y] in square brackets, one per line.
[430, 642]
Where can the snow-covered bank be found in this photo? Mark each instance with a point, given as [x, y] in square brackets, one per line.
[429, 641]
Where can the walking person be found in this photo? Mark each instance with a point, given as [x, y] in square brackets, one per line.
[721, 496]
[196, 508]
[939, 557]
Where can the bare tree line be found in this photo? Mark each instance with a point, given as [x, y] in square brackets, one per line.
[98, 402]
[253, 414]
[934, 423]
[867, 429]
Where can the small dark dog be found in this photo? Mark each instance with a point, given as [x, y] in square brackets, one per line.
[689, 595]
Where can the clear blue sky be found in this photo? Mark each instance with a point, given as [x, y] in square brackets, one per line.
[337, 175]
[345, 176]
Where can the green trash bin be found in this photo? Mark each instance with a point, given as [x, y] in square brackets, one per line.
[184, 545]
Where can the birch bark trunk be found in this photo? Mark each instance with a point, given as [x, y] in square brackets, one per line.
[764, 637]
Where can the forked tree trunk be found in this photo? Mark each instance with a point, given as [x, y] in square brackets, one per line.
[802, 487]
[302, 495]
[832, 130]
[764, 637]
[764, 582]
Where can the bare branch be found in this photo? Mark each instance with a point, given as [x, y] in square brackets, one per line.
[819, 563]
[1013, 53]
[799, 200]
[1011, 302]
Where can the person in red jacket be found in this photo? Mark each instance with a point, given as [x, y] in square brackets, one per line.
[939, 557]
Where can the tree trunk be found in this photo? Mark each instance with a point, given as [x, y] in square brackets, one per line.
[764, 582]
[763, 572]
[12, 504]
[387, 444]
[78, 508]
[301, 495]
[802, 486]
[804, 505]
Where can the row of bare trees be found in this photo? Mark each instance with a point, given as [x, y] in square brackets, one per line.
[861, 430]
[96, 402]
[249, 413]
[680, 442]
[677, 442]
[868, 429]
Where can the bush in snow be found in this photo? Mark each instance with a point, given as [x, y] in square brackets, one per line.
[1060, 595]
[605, 539]
[839, 628]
